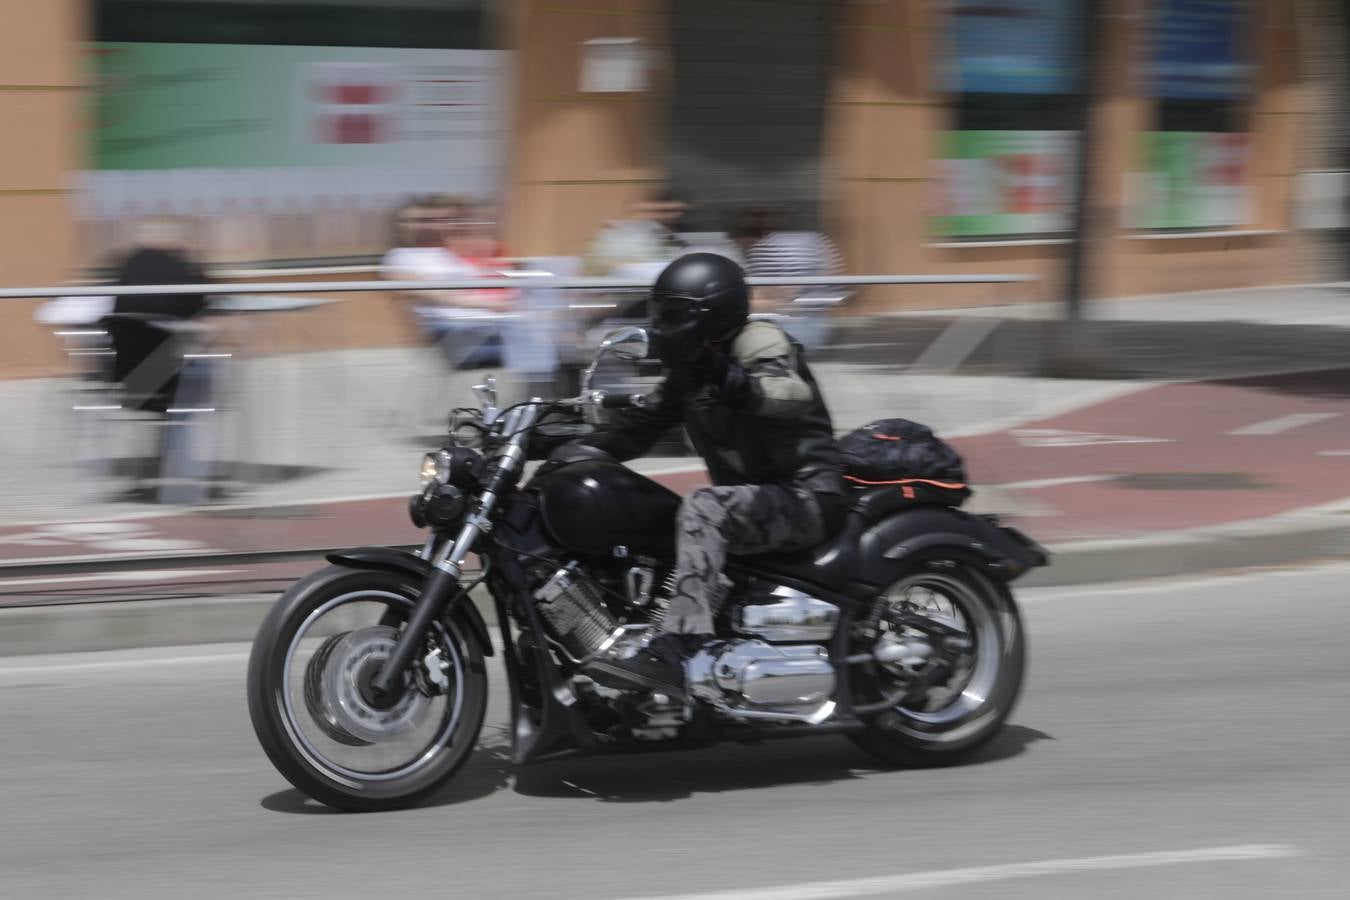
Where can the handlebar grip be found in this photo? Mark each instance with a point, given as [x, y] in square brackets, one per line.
[620, 401]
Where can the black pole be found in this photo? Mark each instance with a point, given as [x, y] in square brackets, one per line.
[1088, 75]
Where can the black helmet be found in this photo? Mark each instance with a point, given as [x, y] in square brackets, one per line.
[697, 299]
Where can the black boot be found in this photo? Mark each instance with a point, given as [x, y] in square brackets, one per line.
[657, 667]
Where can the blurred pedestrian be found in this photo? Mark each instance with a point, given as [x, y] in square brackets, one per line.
[160, 256]
[773, 251]
[144, 357]
[151, 342]
[476, 238]
[464, 324]
[646, 236]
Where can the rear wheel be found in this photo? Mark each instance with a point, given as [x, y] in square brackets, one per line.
[319, 721]
[951, 653]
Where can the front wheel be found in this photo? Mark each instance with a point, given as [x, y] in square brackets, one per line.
[313, 710]
[951, 650]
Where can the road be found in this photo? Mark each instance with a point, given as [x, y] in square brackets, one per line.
[1176, 739]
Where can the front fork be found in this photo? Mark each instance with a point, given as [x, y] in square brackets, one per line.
[442, 589]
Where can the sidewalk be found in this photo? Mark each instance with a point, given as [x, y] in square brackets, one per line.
[1073, 462]
[1303, 304]
[1095, 462]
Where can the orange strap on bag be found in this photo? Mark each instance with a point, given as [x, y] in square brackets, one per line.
[951, 486]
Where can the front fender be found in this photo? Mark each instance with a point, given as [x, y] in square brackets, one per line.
[896, 543]
[387, 559]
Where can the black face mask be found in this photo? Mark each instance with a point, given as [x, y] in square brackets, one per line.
[676, 331]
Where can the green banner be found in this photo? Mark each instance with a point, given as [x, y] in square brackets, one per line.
[1193, 180]
[192, 106]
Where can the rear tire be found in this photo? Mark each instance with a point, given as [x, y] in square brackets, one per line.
[924, 738]
[277, 723]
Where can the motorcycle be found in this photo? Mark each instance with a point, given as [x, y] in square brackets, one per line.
[367, 685]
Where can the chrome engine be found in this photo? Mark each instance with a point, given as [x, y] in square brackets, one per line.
[575, 613]
[751, 679]
[784, 615]
[782, 671]
[779, 669]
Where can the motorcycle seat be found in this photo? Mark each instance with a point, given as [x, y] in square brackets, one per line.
[875, 504]
[830, 562]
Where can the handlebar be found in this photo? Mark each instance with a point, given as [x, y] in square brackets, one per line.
[621, 401]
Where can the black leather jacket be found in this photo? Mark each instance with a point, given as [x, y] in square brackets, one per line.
[779, 431]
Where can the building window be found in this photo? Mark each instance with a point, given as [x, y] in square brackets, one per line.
[1006, 164]
[1194, 162]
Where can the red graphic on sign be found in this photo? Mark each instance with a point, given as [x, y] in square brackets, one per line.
[353, 104]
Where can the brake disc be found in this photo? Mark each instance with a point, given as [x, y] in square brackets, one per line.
[347, 664]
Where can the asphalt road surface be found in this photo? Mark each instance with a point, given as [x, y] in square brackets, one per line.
[1176, 739]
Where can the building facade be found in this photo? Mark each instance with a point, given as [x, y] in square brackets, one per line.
[946, 139]
[923, 136]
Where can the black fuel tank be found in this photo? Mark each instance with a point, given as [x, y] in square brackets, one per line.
[595, 505]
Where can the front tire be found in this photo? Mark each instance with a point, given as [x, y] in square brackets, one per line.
[318, 726]
[956, 718]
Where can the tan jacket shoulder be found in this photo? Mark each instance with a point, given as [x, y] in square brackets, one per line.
[760, 340]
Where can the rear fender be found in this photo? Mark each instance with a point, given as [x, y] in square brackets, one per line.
[898, 542]
[387, 559]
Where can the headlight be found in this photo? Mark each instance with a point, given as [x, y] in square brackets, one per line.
[444, 506]
[435, 468]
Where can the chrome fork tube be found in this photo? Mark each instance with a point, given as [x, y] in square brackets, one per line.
[442, 589]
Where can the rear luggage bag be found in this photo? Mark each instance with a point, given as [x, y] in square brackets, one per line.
[906, 456]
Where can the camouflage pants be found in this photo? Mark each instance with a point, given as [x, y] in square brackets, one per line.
[715, 521]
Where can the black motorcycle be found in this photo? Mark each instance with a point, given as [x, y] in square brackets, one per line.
[367, 683]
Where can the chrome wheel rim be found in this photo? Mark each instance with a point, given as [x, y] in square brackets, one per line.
[341, 709]
[950, 602]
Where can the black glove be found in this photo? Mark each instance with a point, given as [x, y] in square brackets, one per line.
[722, 380]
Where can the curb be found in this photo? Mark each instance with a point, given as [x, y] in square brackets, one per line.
[129, 624]
[134, 624]
[1295, 537]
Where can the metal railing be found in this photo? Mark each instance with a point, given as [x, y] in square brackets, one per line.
[536, 280]
[522, 280]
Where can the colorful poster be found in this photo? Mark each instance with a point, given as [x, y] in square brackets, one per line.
[1011, 47]
[293, 151]
[1198, 49]
[1005, 182]
[1193, 180]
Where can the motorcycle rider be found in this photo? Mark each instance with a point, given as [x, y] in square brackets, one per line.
[748, 400]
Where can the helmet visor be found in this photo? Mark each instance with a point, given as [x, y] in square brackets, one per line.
[674, 315]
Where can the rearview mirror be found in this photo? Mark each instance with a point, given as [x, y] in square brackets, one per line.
[630, 344]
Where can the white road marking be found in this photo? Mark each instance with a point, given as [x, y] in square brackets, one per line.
[1038, 483]
[148, 545]
[1052, 409]
[1333, 452]
[144, 575]
[115, 664]
[108, 536]
[940, 878]
[95, 528]
[950, 348]
[1282, 424]
[1055, 437]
